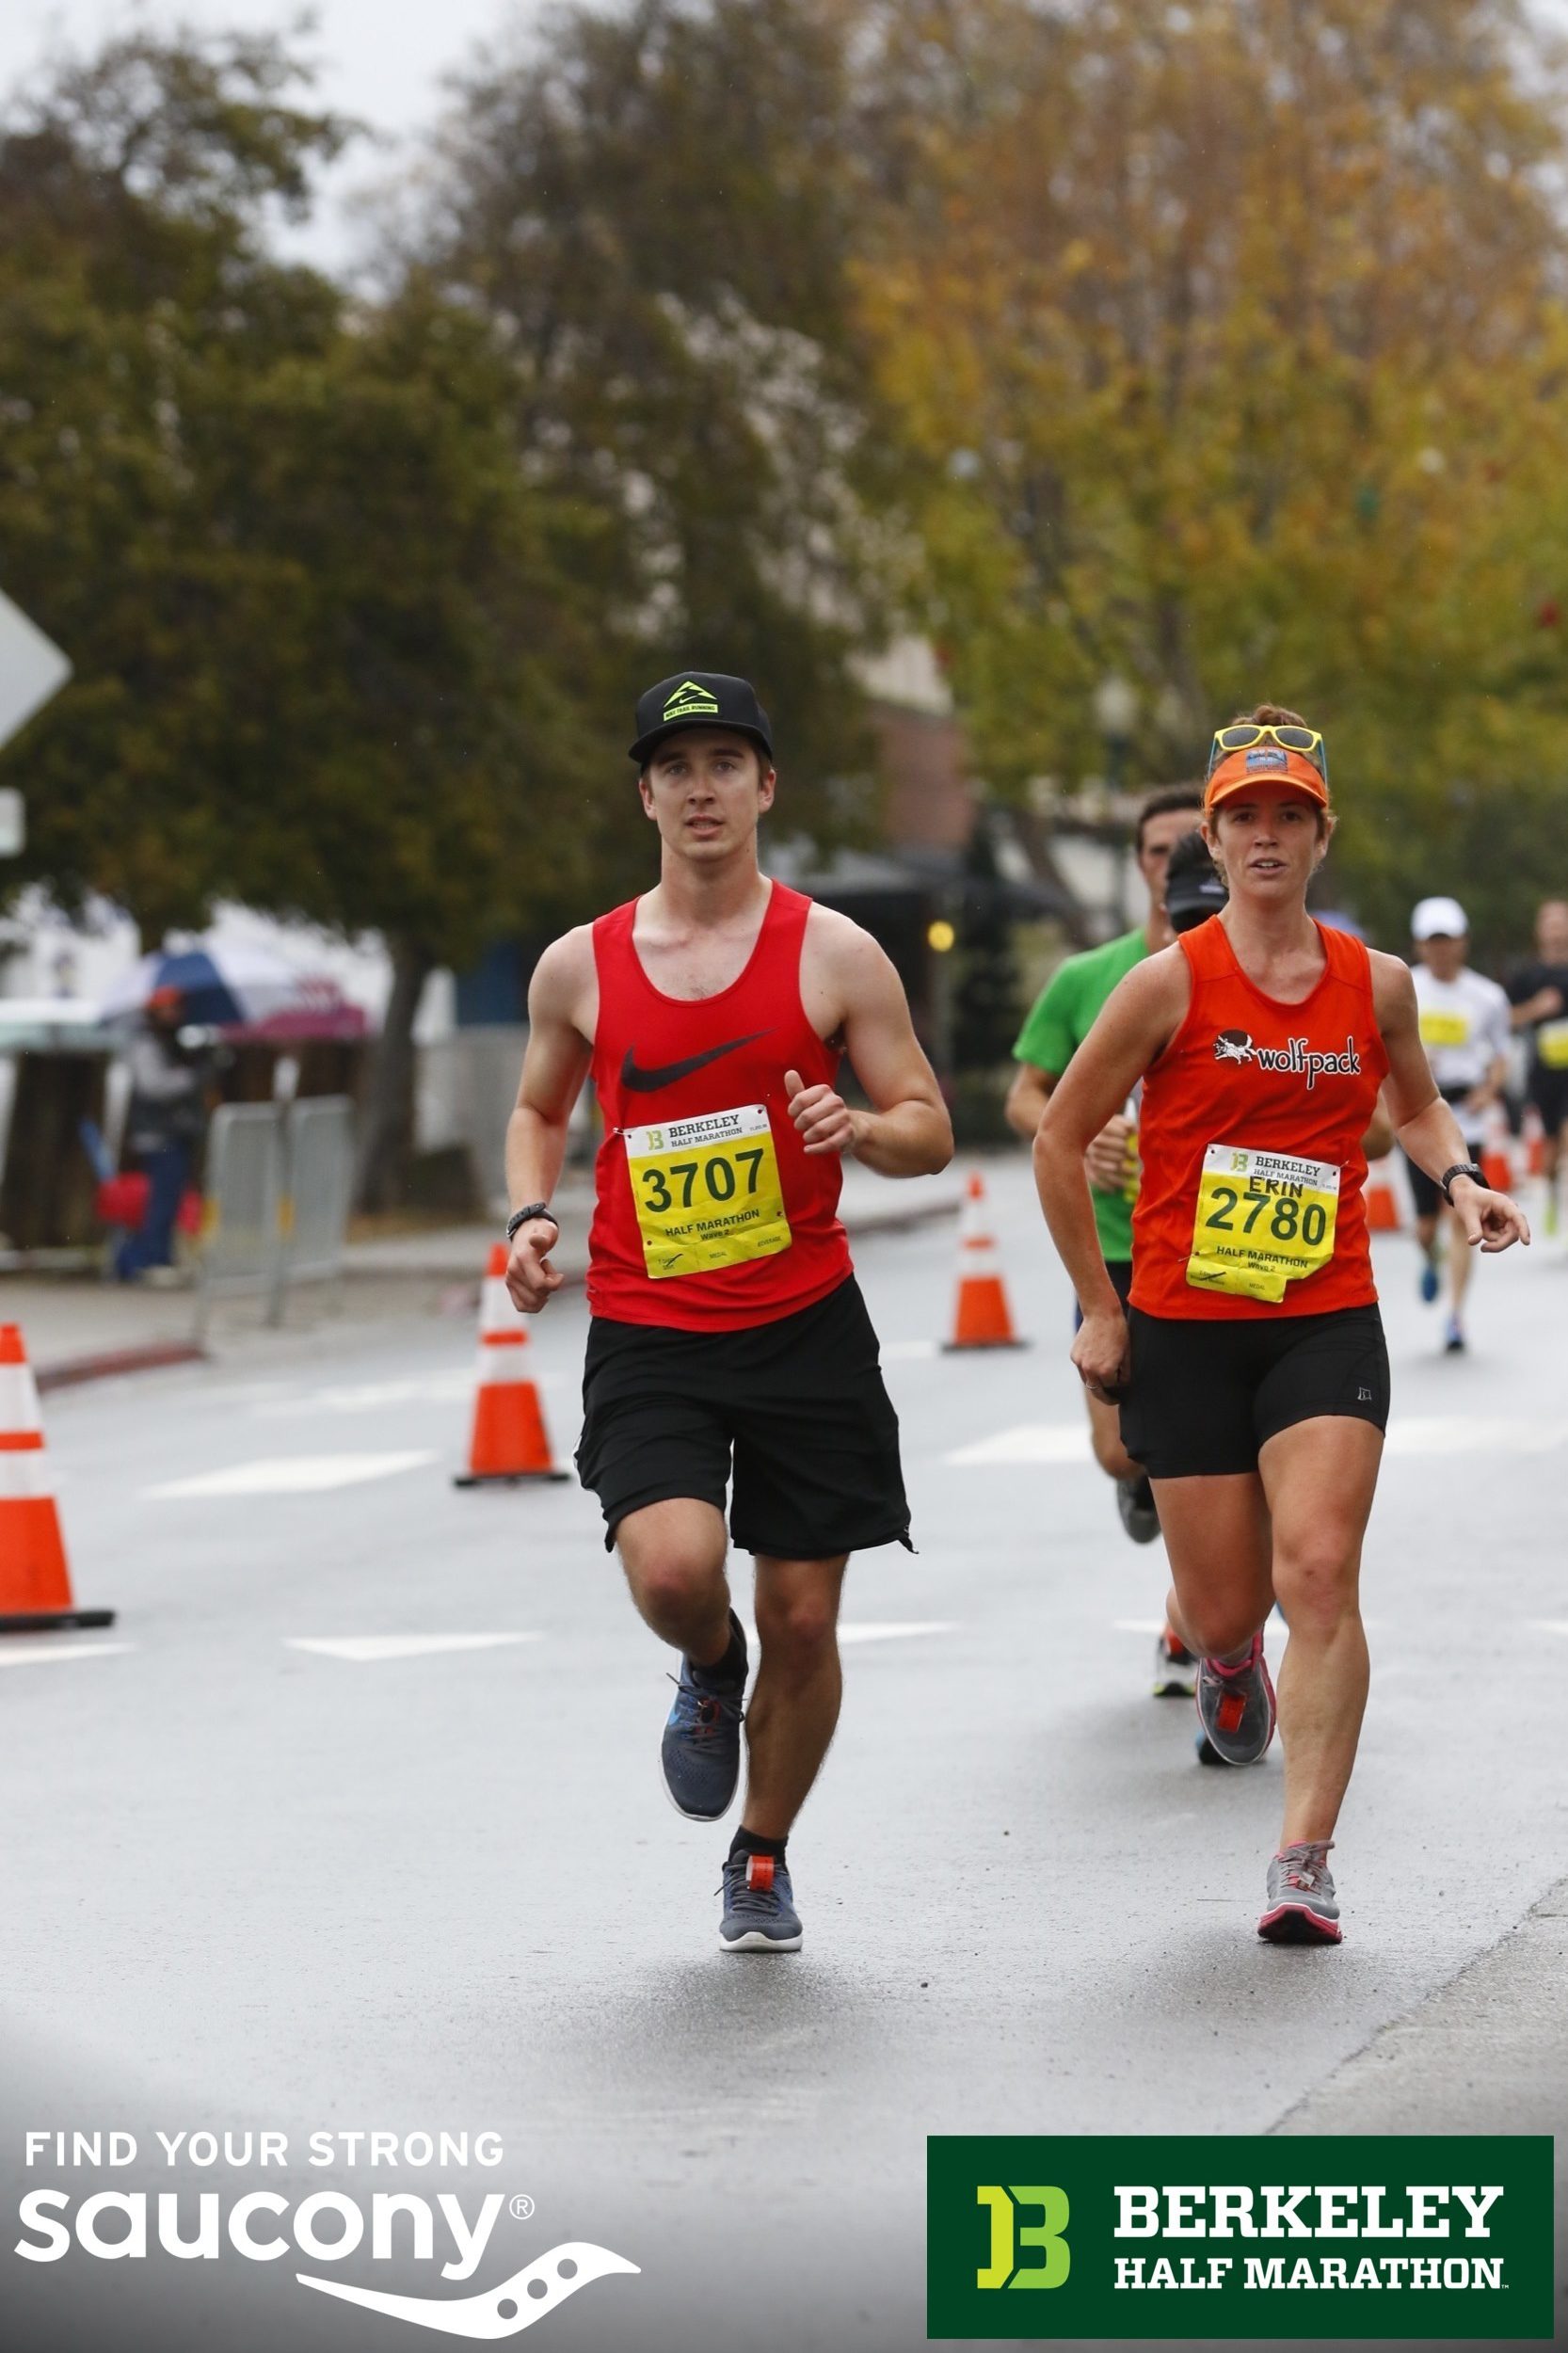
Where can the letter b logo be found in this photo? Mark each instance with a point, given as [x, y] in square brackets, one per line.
[1008, 2235]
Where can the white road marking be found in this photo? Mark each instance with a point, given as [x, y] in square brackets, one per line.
[369, 1649]
[890, 1631]
[1551, 1626]
[372, 1397]
[1414, 1434]
[1463, 1433]
[28, 1651]
[1027, 1442]
[1138, 1625]
[907, 1352]
[290, 1475]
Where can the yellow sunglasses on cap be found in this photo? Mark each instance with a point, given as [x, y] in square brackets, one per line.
[1246, 733]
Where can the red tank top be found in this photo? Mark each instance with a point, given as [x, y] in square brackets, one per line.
[710, 1215]
[1250, 1136]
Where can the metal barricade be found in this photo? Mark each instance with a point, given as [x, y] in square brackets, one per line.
[277, 1193]
[242, 1236]
[320, 1165]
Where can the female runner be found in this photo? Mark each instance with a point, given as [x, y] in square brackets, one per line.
[1251, 1364]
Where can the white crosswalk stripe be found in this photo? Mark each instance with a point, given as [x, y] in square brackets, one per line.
[364, 1650]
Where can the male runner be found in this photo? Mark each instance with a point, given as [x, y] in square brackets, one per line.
[1539, 995]
[1061, 1018]
[1465, 1028]
[728, 1334]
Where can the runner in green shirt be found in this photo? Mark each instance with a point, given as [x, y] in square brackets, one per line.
[1063, 1017]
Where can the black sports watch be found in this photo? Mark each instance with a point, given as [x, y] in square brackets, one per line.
[1460, 1168]
[533, 1210]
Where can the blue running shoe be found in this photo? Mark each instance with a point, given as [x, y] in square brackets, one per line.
[759, 1914]
[1429, 1280]
[701, 1749]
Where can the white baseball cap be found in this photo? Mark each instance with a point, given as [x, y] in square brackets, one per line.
[1436, 918]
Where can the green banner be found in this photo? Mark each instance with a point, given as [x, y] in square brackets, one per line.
[1409, 2236]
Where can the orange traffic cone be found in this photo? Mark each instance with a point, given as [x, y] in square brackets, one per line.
[35, 1582]
[508, 1440]
[1383, 1202]
[981, 1316]
[1496, 1158]
[1535, 1142]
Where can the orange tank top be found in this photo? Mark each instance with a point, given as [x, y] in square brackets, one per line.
[1250, 1133]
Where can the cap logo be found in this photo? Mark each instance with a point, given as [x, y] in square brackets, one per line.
[1266, 760]
[691, 701]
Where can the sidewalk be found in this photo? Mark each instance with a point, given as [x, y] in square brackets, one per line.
[79, 1327]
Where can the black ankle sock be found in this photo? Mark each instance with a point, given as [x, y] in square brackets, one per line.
[752, 1842]
[731, 1668]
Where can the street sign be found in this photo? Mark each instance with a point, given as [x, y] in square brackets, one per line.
[32, 668]
[13, 822]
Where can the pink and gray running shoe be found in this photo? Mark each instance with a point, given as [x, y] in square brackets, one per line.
[1301, 1907]
[1235, 1707]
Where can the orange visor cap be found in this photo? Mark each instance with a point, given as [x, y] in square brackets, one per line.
[1260, 764]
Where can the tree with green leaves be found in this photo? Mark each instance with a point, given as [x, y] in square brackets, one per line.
[1231, 337]
[335, 655]
[658, 207]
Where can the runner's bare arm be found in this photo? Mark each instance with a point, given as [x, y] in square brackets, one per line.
[854, 988]
[1378, 1141]
[1136, 1022]
[560, 1003]
[1027, 1098]
[1427, 1127]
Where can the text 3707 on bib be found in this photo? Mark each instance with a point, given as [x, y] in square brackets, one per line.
[708, 1192]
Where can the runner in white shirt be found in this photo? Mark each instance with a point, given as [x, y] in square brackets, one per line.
[1466, 1023]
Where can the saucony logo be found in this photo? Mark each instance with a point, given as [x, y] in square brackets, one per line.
[516, 2304]
[669, 1074]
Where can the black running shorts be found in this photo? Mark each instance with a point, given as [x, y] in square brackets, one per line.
[795, 1410]
[1425, 1191]
[1207, 1393]
[1548, 1092]
[1120, 1272]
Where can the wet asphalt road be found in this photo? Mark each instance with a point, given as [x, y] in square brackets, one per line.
[253, 1885]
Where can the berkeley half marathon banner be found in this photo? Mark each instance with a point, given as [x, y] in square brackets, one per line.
[1148, 2239]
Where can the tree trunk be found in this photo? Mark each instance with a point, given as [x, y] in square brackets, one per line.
[387, 1123]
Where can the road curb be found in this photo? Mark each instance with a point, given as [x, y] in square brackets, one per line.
[159, 1356]
[106, 1364]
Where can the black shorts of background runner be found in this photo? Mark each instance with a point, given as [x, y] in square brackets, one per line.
[1548, 1092]
[1425, 1191]
[799, 1403]
[1120, 1272]
[1205, 1395]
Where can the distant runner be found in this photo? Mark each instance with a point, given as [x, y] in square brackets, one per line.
[728, 1334]
[1465, 1028]
[1061, 1018]
[1539, 995]
[1252, 1358]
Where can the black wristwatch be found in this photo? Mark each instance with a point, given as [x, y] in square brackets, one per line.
[534, 1209]
[1460, 1168]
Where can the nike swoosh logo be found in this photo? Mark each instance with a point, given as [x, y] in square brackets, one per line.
[648, 1081]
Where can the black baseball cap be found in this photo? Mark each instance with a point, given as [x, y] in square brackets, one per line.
[699, 698]
[1194, 888]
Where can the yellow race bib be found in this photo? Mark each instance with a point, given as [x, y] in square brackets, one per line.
[1439, 1027]
[1263, 1220]
[1551, 1043]
[707, 1191]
